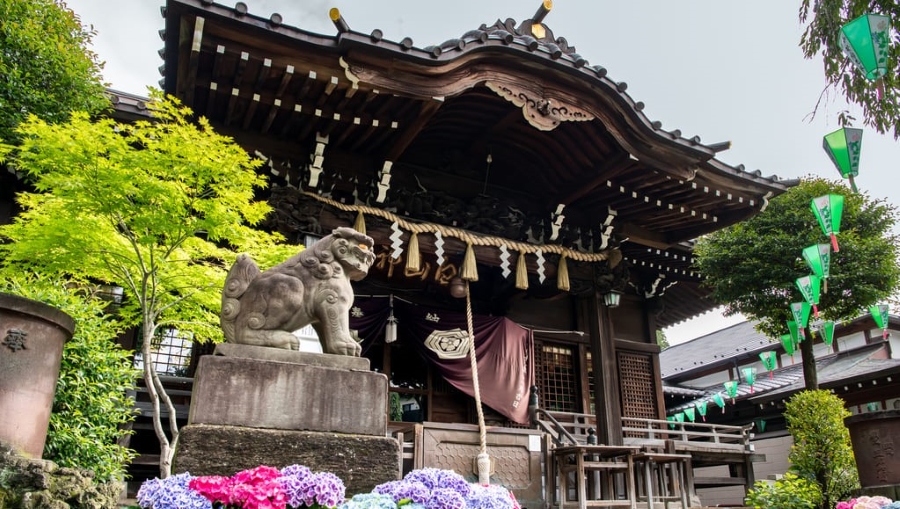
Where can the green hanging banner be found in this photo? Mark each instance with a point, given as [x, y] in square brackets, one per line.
[701, 408]
[689, 413]
[731, 388]
[866, 42]
[679, 417]
[769, 360]
[788, 343]
[749, 376]
[880, 314]
[671, 420]
[828, 333]
[719, 401]
[811, 287]
[818, 257]
[828, 210]
[800, 310]
[843, 148]
[761, 425]
[795, 333]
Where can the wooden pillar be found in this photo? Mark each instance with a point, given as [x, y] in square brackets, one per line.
[607, 404]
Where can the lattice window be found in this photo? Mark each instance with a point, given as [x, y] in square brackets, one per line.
[638, 386]
[557, 378]
[171, 353]
[590, 375]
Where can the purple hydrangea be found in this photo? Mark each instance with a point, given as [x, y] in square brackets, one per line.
[323, 488]
[296, 471]
[489, 497]
[171, 493]
[445, 498]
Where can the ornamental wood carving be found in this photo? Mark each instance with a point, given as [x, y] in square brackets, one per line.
[542, 113]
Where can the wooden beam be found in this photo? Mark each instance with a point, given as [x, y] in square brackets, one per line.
[193, 61]
[609, 169]
[607, 405]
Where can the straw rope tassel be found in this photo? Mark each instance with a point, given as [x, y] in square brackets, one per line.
[482, 460]
[413, 259]
[562, 275]
[360, 224]
[469, 270]
[521, 272]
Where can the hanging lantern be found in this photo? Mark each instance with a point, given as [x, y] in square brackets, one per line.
[828, 333]
[828, 210]
[788, 343]
[880, 314]
[749, 376]
[769, 360]
[719, 401]
[800, 311]
[689, 413]
[731, 388]
[866, 42]
[761, 425]
[810, 286]
[701, 408]
[679, 417]
[843, 148]
[818, 257]
[671, 420]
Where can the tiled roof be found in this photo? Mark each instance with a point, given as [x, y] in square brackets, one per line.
[720, 347]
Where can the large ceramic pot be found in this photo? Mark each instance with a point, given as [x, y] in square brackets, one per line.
[876, 445]
[32, 335]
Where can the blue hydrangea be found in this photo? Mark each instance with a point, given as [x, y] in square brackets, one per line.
[489, 497]
[171, 493]
[370, 501]
[893, 505]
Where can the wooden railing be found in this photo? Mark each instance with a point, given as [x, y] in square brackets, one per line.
[715, 437]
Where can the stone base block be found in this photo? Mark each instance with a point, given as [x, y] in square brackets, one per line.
[242, 391]
[362, 462]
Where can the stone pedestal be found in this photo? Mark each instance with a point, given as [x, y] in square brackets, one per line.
[254, 406]
[32, 335]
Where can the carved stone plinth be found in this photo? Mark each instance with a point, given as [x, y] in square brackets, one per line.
[362, 462]
[256, 406]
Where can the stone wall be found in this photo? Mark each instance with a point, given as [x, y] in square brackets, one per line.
[40, 484]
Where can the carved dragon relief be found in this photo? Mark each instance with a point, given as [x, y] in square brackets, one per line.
[542, 113]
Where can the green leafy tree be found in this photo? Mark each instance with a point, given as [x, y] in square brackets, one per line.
[752, 266]
[157, 208]
[46, 68]
[822, 451]
[825, 19]
[661, 339]
[91, 411]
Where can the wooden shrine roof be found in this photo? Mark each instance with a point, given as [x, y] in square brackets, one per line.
[507, 111]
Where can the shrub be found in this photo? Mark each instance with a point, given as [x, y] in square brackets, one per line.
[822, 451]
[91, 409]
[789, 492]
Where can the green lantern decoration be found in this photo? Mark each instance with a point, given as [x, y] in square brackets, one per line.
[800, 310]
[690, 414]
[749, 376]
[679, 417]
[761, 425]
[811, 287]
[769, 360]
[671, 419]
[719, 400]
[828, 210]
[843, 148]
[731, 388]
[866, 42]
[701, 408]
[880, 314]
[828, 333]
[818, 257]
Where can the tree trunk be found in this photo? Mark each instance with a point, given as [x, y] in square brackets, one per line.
[157, 392]
[810, 377]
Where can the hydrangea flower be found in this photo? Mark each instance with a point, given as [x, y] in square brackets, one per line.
[413, 491]
[370, 501]
[171, 493]
[445, 498]
[490, 497]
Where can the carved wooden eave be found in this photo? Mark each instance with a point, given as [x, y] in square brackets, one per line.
[507, 117]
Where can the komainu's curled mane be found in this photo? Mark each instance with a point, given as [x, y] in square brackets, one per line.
[309, 288]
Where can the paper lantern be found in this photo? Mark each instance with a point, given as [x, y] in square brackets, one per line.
[843, 148]
[866, 42]
[769, 360]
[671, 420]
[818, 257]
[731, 388]
[701, 408]
[811, 287]
[880, 314]
[761, 425]
[689, 413]
[828, 210]
[749, 376]
[679, 417]
[800, 311]
[828, 333]
[719, 401]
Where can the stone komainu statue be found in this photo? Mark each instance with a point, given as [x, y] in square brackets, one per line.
[310, 288]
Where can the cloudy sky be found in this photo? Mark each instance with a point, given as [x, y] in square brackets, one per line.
[725, 70]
